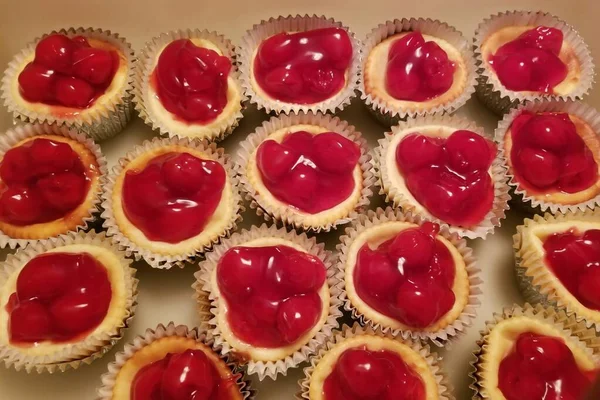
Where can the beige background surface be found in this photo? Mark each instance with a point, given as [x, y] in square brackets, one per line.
[166, 295]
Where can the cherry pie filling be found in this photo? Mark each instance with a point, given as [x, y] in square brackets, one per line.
[408, 278]
[191, 81]
[418, 70]
[312, 173]
[548, 156]
[173, 196]
[272, 293]
[449, 176]
[59, 297]
[304, 67]
[68, 72]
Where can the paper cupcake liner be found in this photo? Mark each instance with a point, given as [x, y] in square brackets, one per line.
[71, 355]
[203, 288]
[403, 199]
[152, 257]
[298, 23]
[339, 336]
[581, 110]
[387, 113]
[13, 136]
[583, 337]
[101, 123]
[441, 337]
[142, 90]
[490, 90]
[534, 277]
[286, 215]
[105, 392]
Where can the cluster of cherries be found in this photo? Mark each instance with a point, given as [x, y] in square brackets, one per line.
[68, 72]
[449, 176]
[42, 180]
[272, 293]
[310, 172]
[59, 297]
[304, 67]
[417, 70]
[173, 197]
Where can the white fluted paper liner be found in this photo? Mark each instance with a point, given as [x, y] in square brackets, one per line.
[581, 336]
[489, 88]
[287, 214]
[142, 91]
[581, 110]
[151, 256]
[339, 336]
[97, 343]
[400, 197]
[105, 392]
[446, 334]
[100, 121]
[299, 23]
[21, 132]
[386, 112]
[203, 288]
[536, 280]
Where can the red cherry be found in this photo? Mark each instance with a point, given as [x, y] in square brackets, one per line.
[42, 279]
[297, 315]
[300, 141]
[147, 382]
[579, 171]
[544, 37]
[323, 80]
[337, 48]
[63, 191]
[183, 173]
[468, 152]
[550, 70]
[592, 238]
[237, 274]
[196, 80]
[167, 67]
[541, 353]
[150, 193]
[55, 52]
[81, 40]
[589, 285]
[78, 311]
[514, 71]
[301, 184]
[518, 383]
[73, 92]
[21, 205]
[263, 309]
[49, 156]
[539, 167]
[549, 132]
[430, 228]
[401, 84]
[15, 166]
[422, 302]
[404, 47]
[199, 107]
[334, 153]
[416, 151]
[29, 322]
[563, 251]
[405, 385]
[37, 82]
[441, 192]
[301, 272]
[377, 273]
[362, 373]
[276, 50]
[284, 82]
[188, 375]
[438, 69]
[275, 160]
[93, 65]
[413, 249]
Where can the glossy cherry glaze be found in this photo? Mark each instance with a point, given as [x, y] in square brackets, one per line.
[312, 173]
[417, 70]
[574, 258]
[190, 375]
[303, 67]
[361, 374]
[272, 293]
[42, 180]
[59, 297]
[531, 62]
[408, 277]
[549, 156]
[68, 72]
[173, 197]
[542, 368]
[191, 81]
[449, 177]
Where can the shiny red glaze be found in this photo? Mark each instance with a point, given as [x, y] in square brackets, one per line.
[190, 375]
[310, 172]
[542, 368]
[449, 176]
[59, 297]
[417, 70]
[361, 374]
[68, 72]
[42, 180]
[173, 197]
[272, 293]
[408, 277]
[531, 62]
[303, 67]
[574, 258]
[191, 81]
[549, 156]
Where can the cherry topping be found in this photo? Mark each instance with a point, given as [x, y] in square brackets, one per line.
[449, 176]
[364, 374]
[272, 293]
[304, 67]
[531, 62]
[310, 172]
[417, 70]
[174, 196]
